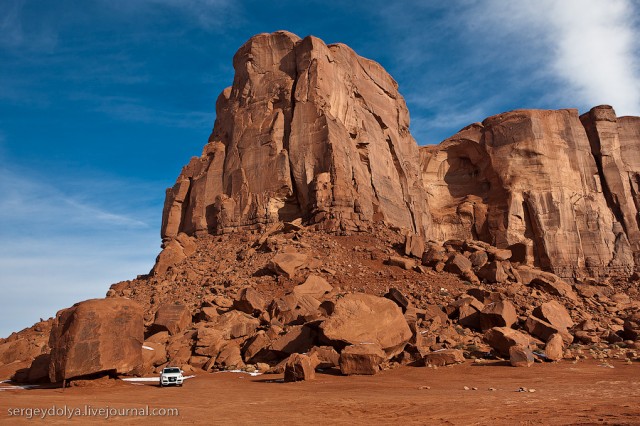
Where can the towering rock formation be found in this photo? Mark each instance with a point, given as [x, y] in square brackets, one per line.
[614, 144]
[319, 133]
[527, 179]
[306, 131]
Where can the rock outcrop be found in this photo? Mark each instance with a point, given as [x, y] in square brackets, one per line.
[561, 197]
[96, 336]
[309, 131]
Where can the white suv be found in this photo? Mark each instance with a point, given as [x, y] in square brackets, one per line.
[171, 376]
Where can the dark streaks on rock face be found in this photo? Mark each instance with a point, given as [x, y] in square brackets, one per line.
[306, 131]
[549, 180]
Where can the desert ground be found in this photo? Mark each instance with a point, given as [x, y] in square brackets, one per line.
[585, 392]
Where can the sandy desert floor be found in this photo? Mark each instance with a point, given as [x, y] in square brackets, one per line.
[586, 392]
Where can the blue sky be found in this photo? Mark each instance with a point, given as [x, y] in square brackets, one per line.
[103, 101]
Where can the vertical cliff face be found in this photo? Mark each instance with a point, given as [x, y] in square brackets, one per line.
[530, 178]
[306, 131]
[614, 144]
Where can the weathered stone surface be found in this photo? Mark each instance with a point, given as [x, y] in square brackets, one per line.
[306, 131]
[313, 286]
[39, 369]
[174, 251]
[363, 318]
[557, 287]
[299, 367]
[250, 301]
[94, 336]
[614, 144]
[402, 262]
[520, 356]
[153, 354]
[544, 330]
[363, 359]
[326, 356]
[498, 314]
[458, 264]
[529, 177]
[554, 349]
[398, 298]
[298, 339]
[501, 339]
[492, 272]
[173, 318]
[287, 264]
[235, 324]
[414, 245]
[555, 314]
[444, 357]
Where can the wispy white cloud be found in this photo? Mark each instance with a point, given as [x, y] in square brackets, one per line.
[62, 244]
[16, 34]
[130, 109]
[25, 197]
[590, 46]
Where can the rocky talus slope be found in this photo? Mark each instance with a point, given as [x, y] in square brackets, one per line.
[313, 233]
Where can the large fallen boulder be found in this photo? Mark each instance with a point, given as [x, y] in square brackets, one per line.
[363, 318]
[173, 317]
[299, 367]
[363, 358]
[95, 336]
[498, 314]
[555, 314]
[287, 264]
[314, 286]
[501, 339]
[444, 357]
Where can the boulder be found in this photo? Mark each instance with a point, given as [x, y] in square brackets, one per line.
[153, 354]
[235, 324]
[556, 287]
[39, 369]
[297, 339]
[326, 356]
[362, 359]
[493, 272]
[257, 348]
[173, 252]
[288, 264]
[554, 349]
[498, 314]
[364, 318]
[173, 318]
[414, 245]
[501, 339]
[299, 367]
[543, 330]
[250, 301]
[520, 356]
[95, 336]
[478, 259]
[434, 254]
[209, 341]
[398, 298]
[458, 264]
[401, 262]
[555, 314]
[313, 286]
[443, 357]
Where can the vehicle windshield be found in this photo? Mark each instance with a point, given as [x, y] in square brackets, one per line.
[171, 370]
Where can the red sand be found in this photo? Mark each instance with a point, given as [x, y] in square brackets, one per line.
[565, 393]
